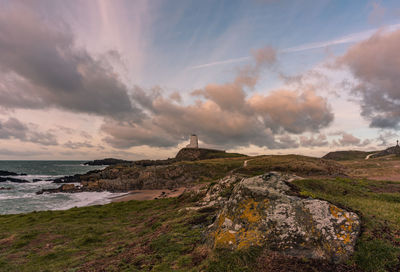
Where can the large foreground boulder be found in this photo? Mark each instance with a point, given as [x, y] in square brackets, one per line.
[263, 211]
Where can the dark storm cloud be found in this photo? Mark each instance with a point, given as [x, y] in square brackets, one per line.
[44, 68]
[375, 63]
[14, 129]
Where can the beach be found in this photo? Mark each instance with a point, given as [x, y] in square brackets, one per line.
[149, 194]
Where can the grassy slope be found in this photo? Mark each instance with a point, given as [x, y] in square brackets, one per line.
[348, 155]
[130, 236]
[161, 235]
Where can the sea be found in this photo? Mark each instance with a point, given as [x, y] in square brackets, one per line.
[22, 197]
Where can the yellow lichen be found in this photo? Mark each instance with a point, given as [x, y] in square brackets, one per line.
[335, 211]
[221, 219]
[248, 210]
[249, 238]
[345, 237]
[224, 238]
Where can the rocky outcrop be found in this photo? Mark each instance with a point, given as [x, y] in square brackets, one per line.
[126, 178]
[65, 188]
[394, 150]
[15, 180]
[193, 154]
[107, 161]
[76, 178]
[7, 173]
[263, 211]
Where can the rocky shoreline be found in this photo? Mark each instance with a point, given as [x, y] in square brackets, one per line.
[124, 176]
[7, 176]
[7, 173]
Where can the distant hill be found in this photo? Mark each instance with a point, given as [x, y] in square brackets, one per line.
[347, 155]
[107, 161]
[394, 150]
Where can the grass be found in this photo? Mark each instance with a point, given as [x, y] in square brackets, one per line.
[300, 165]
[348, 155]
[214, 169]
[128, 236]
[161, 235]
[378, 248]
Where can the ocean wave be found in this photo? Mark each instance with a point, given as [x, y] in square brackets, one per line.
[8, 195]
[86, 199]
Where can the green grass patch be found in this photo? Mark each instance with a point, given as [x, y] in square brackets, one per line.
[128, 236]
[378, 248]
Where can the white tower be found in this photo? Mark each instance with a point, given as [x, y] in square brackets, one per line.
[194, 142]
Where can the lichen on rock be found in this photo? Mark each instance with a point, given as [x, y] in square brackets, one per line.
[262, 211]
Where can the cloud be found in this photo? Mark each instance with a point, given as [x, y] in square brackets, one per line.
[7, 152]
[78, 145]
[375, 63]
[41, 67]
[350, 38]
[286, 141]
[14, 129]
[387, 138]
[223, 115]
[292, 111]
[348, 139]
[314, 141]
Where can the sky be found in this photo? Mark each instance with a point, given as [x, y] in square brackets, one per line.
[133, 79]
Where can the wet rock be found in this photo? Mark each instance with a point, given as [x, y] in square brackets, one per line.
[4, 188]
[65, 188]
[7, 173]
[76, 178]
[262, 211]
[16, 180]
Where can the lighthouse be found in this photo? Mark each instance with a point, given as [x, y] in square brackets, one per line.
[194, 142]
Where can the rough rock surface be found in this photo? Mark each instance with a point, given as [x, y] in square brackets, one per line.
[126, 178]
[262, 211]
[16, 180]
[192, 154]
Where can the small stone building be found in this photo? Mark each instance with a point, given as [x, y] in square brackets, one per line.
[194, 142]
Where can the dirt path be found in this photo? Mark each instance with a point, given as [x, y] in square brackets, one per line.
[246, 162]
[368, 156]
